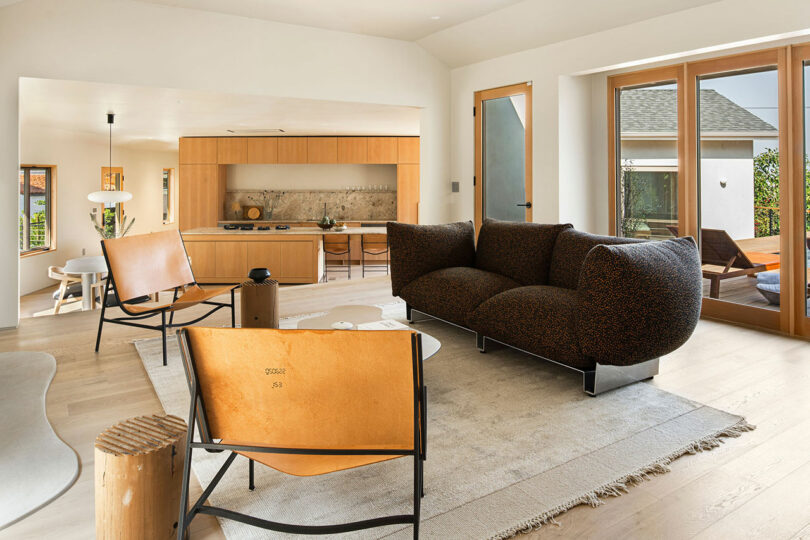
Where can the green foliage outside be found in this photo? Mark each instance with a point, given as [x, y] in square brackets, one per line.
[766, 193]
[36, 228]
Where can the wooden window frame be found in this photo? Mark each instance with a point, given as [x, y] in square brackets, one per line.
[494, 93]
[788, 61]
[51, 214]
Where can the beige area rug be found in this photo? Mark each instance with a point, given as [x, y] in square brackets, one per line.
[35, 465]
[512, 441]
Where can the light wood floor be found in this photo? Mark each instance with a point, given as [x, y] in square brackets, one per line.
[757, 486]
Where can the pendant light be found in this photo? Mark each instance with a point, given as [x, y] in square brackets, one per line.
[110, 196]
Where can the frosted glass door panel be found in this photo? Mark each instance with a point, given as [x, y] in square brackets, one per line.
[504, 158]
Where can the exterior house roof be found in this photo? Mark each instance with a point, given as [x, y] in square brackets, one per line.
[654, 111]
[38, 183]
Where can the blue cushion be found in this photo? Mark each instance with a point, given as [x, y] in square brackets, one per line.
[768, 278]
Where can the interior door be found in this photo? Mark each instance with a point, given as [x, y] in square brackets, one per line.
[503, 154]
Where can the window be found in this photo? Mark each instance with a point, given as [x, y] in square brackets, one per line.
[112, 180]
[168, 196]
[36, 188]
[649, 198]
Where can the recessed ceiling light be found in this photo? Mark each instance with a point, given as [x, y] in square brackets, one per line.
[435, 18]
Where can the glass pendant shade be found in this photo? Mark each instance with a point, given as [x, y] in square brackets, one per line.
[111, 197]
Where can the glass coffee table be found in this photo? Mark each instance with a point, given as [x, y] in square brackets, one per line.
[365, 318]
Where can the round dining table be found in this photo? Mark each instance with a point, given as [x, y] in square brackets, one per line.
[89, 268]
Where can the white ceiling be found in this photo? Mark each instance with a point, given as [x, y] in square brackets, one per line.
[155, 118]
[466, 31]
[534, 23]
[398, 19]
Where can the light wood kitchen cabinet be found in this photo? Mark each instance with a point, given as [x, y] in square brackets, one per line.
[290, 259]
[231, 260]
[322, 149]
[198, 150]
[201, 195]
[292, 149]
[232, 150]
[262, 150]
[352, 149]
[408, 150]
[408, 193]
[203, 259]
[382, 149]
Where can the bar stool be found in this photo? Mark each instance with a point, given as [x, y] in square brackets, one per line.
[373, 244]
[336, 244]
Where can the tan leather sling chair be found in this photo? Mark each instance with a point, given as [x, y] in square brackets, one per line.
[304, 402]
[147, 264]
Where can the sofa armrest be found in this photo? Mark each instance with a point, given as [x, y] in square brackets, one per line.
[637, 302]
[419, 249]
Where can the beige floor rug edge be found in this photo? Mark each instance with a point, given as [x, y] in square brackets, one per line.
[598, 496]
[484, 517]
[36, 465]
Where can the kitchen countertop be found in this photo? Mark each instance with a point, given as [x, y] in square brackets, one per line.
[291, 231]
[281, 221]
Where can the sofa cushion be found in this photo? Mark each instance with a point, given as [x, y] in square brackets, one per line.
[520, 251]
[453, 293]
[419, 249]
[569, 254]
[538, 319]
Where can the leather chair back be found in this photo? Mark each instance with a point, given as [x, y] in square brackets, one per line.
[314, 389]
[147, 263]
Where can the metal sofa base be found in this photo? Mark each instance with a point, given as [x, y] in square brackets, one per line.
[594, 382]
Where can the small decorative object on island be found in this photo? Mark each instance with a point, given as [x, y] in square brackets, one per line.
[259, 300]
[340, 226]
[326, 222]
[119, 226]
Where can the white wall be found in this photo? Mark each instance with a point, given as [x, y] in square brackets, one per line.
[78, 162]
[559, 137]
[320, 177]
[125, 42]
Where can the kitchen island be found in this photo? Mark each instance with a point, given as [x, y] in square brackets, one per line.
[292, 256]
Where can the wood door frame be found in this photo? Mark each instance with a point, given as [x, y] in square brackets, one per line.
[494, 93]
[797, 55]
[643, 78]
[716, 308]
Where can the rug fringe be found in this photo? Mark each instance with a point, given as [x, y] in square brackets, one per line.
[621, 486]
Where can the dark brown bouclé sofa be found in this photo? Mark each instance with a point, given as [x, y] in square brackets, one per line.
[606, 306]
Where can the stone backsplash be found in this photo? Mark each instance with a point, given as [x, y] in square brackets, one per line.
[307, 205]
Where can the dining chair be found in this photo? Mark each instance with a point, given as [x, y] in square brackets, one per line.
[143, 265]
[305, 403]
[68, 283]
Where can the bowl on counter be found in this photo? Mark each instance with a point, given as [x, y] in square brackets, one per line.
[325, 226]
[340, 226]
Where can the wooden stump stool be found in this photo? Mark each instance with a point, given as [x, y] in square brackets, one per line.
[139, 474]
[259, 304]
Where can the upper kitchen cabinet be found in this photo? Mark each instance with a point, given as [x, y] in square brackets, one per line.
[322, 150]
[262, 150]
[352, 149]
[232, 150]
[408, 150]
[198, 150]
[292, 149]
[382, 149]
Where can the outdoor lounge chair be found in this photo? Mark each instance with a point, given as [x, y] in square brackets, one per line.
[722, 258]
[146, 264]
[306, 403]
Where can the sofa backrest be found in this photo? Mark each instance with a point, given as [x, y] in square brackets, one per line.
[569, 254]
[520, 251]
[419, 249]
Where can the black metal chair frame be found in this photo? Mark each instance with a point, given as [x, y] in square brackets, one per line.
[197, 416]
[337, 267]
[364, 252]
[163, 326]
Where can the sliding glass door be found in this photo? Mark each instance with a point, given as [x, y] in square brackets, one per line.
[800, 91]
[738, 173]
